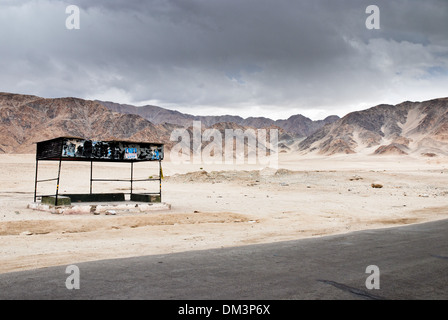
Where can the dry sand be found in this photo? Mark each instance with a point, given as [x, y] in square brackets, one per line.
[215, 206]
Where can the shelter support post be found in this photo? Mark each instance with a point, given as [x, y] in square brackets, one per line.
[57, 183]
[35, 180]
[132, 175]
[91, 174]
[160, 179]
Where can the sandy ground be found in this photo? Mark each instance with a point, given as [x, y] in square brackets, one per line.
[215, 206]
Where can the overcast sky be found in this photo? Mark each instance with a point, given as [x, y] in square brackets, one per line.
[272, 58]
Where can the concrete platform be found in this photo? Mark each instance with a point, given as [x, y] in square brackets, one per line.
[108, 208]
[68, 199]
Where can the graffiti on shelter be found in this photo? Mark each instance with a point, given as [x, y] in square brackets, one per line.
[111, 150]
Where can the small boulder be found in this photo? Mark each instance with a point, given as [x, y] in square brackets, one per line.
[376, 185]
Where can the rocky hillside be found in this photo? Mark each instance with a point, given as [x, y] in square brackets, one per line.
[407, 128]
[418, 128]
[296, 125]
[25, 120]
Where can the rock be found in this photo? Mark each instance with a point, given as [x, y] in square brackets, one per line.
[429, 154]
[377, 185]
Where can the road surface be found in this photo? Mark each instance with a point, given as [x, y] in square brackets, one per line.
[412, 263]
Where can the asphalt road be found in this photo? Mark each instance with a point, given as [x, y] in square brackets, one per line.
[412, 263]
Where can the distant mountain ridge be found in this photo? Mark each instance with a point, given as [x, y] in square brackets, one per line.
[27, 119]
[408, 128]
[296, 124]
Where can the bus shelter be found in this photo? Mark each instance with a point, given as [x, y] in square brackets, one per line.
[78, 149]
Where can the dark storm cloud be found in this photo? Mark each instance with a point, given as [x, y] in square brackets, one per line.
[275, 57]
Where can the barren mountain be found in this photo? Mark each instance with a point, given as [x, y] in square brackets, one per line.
[406, 128]
[297, 125]
[25, 120]
[249, 139]
[303, 126]
[154, 114]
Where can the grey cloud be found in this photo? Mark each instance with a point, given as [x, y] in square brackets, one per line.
[284, 54]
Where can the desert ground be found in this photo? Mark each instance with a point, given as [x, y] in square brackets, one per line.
[215, 206]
